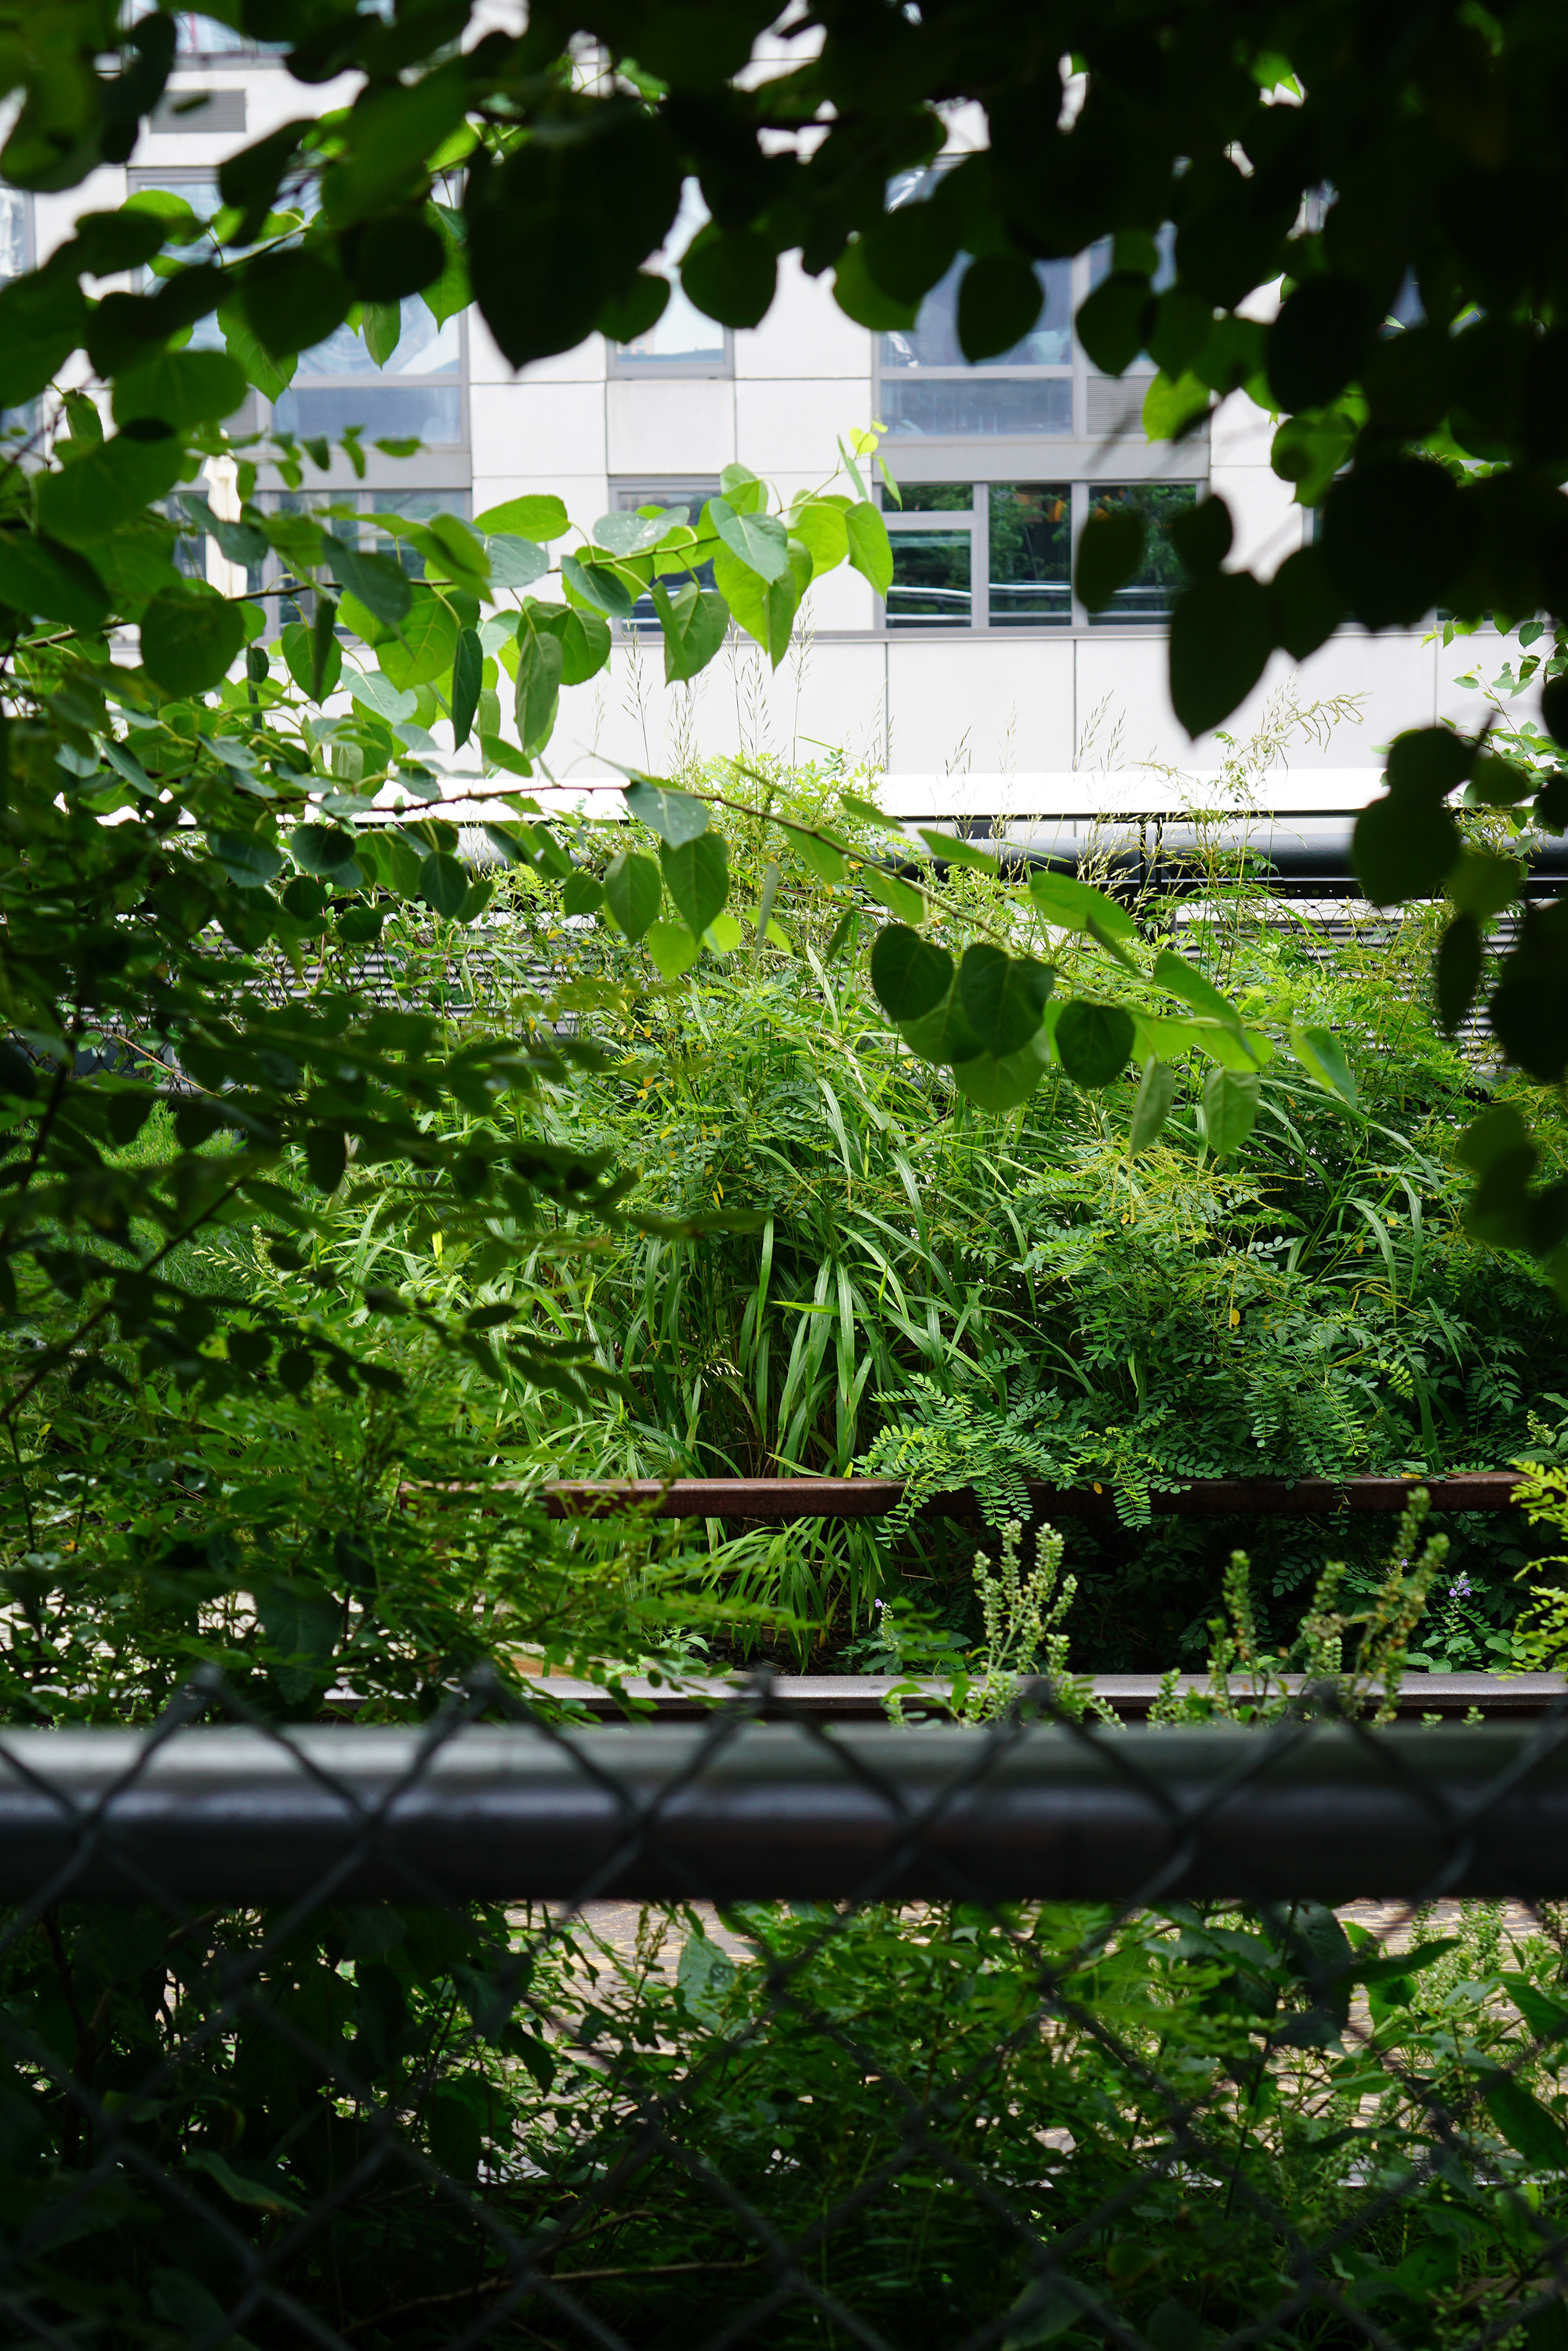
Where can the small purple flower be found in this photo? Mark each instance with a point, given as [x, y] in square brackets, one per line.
[1461, 1590]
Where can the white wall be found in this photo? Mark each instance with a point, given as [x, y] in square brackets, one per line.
[995, 719]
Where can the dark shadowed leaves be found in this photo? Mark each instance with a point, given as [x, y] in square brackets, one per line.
[910, 974]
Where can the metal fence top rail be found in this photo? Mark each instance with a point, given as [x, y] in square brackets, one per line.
[862, 1698]
[876, 1498]
[1308, 1808]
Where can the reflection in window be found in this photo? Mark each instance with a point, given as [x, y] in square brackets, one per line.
[937, 497]
[933, 341]
[339, 384]
[1031, 554]
[1152, 591]
[417, 396]
[975, 404]
[931, 576]
[682, 336]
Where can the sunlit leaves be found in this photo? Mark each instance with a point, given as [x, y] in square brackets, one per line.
[633, 891]
[694, 620]
[697, 875]
[676, 816]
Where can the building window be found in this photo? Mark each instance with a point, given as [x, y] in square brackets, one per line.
[1148, 596]
[682, 341]
[998, 555]
[682, 498]
[418, 394]
[348, 515]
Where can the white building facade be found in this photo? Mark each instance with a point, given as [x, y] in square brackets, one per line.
[979, 686]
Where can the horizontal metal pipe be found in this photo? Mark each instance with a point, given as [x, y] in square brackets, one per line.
[234, 1815]
[874, 1498]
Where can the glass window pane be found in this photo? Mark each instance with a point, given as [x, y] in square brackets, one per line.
[1004, 405]
[424, 349]
[430, 413]
[682, 336]
[1165, 267]
[933, 341]
[1031, 554]
[930, 579]
[1151, 591]
[934, 497]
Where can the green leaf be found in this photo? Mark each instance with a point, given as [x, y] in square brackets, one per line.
[694, 620]
[1460, 955]
[256, 364]
[823, 858]
[1000, 298]
[1171, 409]
[673, 948]
[1320, 1052]
[539, 664]
[1525, 2124]
[674, 816]
[583, 638]
[467, 677]
[180, 388]
[383, 329]
[292, 300]
[998, 1082]
[639, 305]
[1152, 1107]
[51, 583]
[758, 541]
[1482, 883]
[1003, 997]
[1393, 536]
[1110, 549]
[910, 974]
[427, 644]
[1066, 904]
[538, 518]
[730, 274]
[581, 894]
[1114, 323]
[861, 299]
[95, 495]
[299, 653]
[951, 849]
[382, 585]
[823, 530]
[765, 609]
[515, 561]
[1428, 762]
[1307, 607]
[443, 883]
[697, 875]
[942, 1035]
[1093, 1042]
[1222, 634]
[249, 861]
[321, 849]
[1174, 973]
[325, 1156]
[900, 898]
[1403, 848]
[602, 586]
[189, 638]
[1230, 1110]
[633, 891]
[1319, 340]
[870, 549]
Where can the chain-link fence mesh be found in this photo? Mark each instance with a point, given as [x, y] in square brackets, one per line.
[499, 2032]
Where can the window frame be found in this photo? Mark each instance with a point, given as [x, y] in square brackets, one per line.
[975, 517]
[629, 491]
[444, 466]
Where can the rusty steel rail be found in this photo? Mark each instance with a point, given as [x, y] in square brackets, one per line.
[875, 1497]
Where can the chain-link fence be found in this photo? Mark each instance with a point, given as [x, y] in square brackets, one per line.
[505, 2031]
